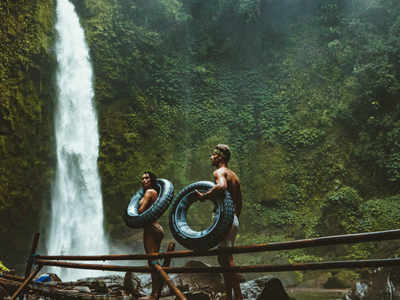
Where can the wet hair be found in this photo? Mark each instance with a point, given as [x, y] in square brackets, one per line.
[153, 179]
[224, 151]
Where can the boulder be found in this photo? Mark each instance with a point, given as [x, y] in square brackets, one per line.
[274, 290]
[211, 282]
[132, 285]
[382, 283]
[264, 288]
[198, 296]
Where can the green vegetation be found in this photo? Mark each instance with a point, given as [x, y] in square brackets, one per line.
[306, 93]
[26, 67]
[3, 267]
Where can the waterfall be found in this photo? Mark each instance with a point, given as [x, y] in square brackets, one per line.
[76, 225]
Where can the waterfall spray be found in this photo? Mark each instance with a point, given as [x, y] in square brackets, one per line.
[76, 225]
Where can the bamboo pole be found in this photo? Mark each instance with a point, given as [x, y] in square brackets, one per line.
[288, 245]
[170, 283]
[12, 277]
[26, 282]
[33, 251]
[167, 261]
[137, 269]
[350, 264]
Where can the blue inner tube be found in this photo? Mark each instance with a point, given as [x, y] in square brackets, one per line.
[209, 237]
[131, 215]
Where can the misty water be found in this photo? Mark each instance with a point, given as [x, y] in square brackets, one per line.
[76, 225]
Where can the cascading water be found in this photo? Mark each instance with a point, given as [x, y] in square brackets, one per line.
[76, 225]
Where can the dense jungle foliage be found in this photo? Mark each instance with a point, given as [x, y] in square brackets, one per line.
[26, 89]
[306, 93]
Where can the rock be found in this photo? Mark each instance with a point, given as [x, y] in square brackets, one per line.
[252, 288]
[100, 287]
[264, 288]
[383, 283]
[132, 285]
[84, 289]
[197, 296]
[274, 290]
[212, 282]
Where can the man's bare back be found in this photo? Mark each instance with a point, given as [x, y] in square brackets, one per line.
[233, 187]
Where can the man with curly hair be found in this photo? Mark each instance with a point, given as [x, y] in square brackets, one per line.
[226, 179]
[153, 233]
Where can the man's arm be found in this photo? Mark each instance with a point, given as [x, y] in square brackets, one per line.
[148, 199]
[221, 184]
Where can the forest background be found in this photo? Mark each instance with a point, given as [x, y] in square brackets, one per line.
[306, 93]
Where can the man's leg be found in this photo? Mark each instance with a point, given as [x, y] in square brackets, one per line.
[231, 280]
[223, 261]
[235, 280]
[152, 242]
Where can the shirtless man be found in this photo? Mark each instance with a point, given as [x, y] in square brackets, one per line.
[153, 233]
[226, 179]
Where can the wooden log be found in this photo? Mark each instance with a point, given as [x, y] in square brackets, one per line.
[26, 282]
[56, 293]
[170, 283]
[32, 253]
[350, 264]
[288, 245]
[167, 261]
[12, 276]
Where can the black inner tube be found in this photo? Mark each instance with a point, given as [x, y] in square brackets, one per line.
[165, 194]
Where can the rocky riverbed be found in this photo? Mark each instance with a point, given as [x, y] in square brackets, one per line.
[381, 284]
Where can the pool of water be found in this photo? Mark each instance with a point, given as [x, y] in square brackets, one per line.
[316, 294]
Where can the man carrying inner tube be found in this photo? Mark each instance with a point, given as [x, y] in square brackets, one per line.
[153, 233]
[226, 179]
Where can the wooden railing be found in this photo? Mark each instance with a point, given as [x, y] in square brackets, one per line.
[38, 261]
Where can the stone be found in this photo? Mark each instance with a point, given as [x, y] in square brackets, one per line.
[252, 288]
[100, 286]
[197, 296]
[274, 290]
[132, 285]
[382, 283]
[264, 288]
[84, 289]
[202, 281]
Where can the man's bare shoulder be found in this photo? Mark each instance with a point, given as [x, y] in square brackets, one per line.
[151, 193]
[221, 171]
[232, 177]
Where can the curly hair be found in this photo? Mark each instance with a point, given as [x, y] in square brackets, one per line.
[224, 151]
[153, 179]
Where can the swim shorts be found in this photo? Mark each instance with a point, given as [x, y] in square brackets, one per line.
[229, 240]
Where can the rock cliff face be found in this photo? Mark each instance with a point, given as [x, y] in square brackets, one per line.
[26, 89]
